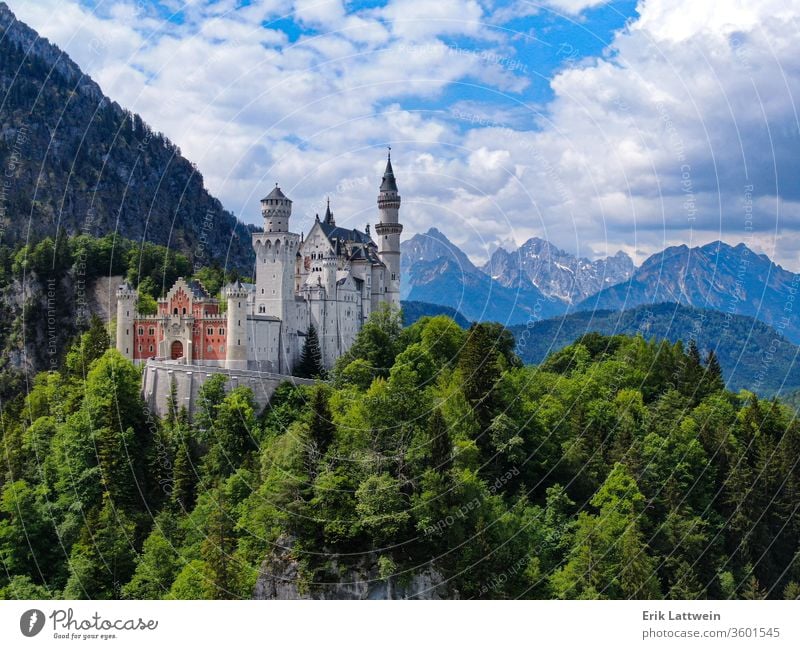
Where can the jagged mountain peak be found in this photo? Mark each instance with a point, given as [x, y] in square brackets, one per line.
[557, 273]
[716, 275]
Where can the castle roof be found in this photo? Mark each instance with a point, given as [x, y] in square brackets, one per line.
[333, 232]
[389, 184]
[276, 194]
[199, 291]
[329, 215]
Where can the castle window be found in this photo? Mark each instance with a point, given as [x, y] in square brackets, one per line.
[221, 331]
[151, 348]
[184, 310]
[127, 332]
[175, 311]
[211, 348]
[238, 341]
[221, 349]
[152, 332]
[240, 323]
[140, 348]
[210, 331]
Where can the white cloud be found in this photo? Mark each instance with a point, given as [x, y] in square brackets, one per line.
[650, 145]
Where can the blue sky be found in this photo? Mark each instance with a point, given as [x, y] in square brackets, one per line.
[598, 125]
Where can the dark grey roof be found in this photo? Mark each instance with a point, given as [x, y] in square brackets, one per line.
[275, 194]
[332, 231]
[367, 253]
[389, 184]
[329, 215]
[198, 290]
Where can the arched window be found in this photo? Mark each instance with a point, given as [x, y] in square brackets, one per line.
[184, 310]
[175, 311]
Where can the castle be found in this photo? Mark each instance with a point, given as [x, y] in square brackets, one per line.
[332, 278]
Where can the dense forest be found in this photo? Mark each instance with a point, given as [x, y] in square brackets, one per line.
[753, 355]
[618, 468]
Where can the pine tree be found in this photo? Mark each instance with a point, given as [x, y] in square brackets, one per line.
[322, 427]
[217, 550]
[480, 370]
[310, 365]
[792, 590]
[441, 446]
[752, 589]
[184, 470]
[713, 374]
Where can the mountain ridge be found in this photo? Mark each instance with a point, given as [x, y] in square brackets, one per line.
[80, 162]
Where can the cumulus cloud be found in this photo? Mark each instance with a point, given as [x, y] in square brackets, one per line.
[653, 143]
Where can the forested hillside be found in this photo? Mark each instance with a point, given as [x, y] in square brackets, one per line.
[73, 159]
[619, 468]
[45, 294]
[753, 355]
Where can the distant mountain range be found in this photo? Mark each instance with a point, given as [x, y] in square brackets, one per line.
[556, 273]
[752, 354]
[435, 270]
[538, 281]
[731, 279]
[75, 159]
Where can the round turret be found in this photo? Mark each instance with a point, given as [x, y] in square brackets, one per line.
[276, 209]
[236, 334]
[126, 318]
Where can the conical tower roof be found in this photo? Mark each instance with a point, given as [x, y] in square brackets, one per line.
[389, 184]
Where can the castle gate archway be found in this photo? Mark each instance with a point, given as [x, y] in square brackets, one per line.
[176, 350]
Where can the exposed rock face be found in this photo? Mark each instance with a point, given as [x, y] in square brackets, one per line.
[557, 273]
[435, 270]
[732, 279]
[281, 579]
[76, 160]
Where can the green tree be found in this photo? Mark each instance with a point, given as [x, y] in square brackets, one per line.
[104, 558]
[310, 364]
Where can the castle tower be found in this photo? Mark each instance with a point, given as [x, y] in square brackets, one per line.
[126, 316]
[276, 251]
[388, 231]
[236, 340]
[329, 331]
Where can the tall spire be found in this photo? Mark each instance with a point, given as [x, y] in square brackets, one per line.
[389, 184]
[328, 214]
